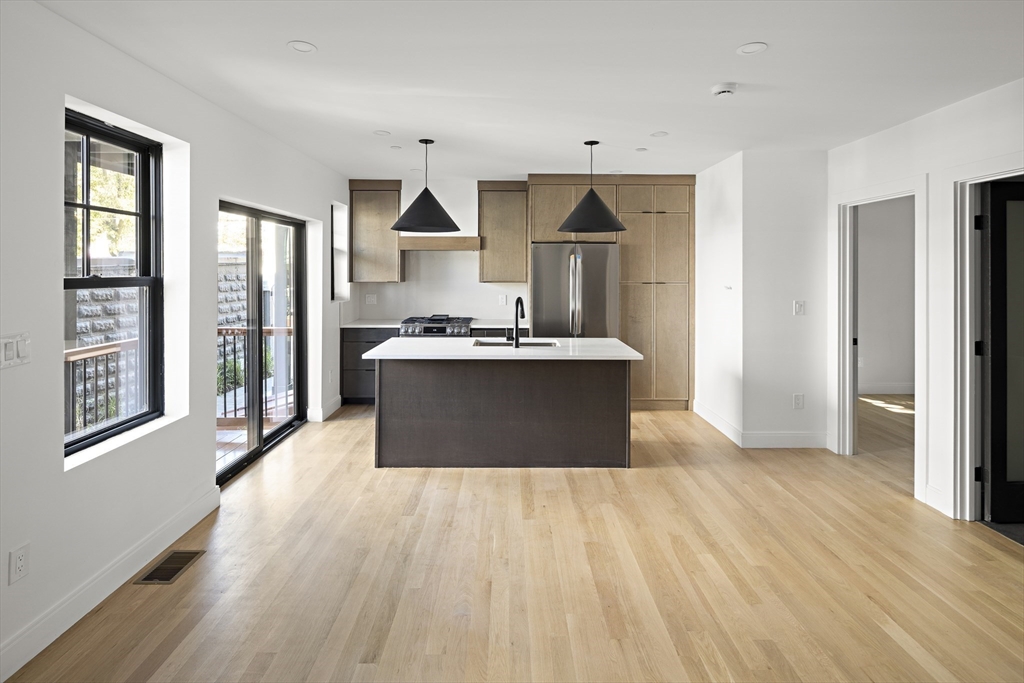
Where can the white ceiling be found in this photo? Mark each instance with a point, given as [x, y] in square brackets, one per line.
[507, 88]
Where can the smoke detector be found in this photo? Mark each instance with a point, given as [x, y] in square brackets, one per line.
[724, 89]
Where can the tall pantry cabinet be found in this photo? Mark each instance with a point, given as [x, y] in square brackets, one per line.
[656, 302]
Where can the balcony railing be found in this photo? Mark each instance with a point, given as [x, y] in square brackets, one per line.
[101, 385]
[232, 401]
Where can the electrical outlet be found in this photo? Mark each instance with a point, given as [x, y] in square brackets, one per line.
[799, 307]
[371, 299]
[18, 567]
[798, 401]
[503, 300]
[330, 376]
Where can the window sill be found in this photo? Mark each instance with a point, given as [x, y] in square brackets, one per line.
[118, 441]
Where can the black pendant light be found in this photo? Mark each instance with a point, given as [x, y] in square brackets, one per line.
[591, 214]
[425, 214]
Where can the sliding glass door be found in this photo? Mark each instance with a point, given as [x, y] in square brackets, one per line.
[260, 334]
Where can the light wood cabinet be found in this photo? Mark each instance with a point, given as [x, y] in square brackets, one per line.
[549, 207]
[655, 253]
[636, 198]
[636, 248]
[671, 247]
[672, 198]
[373, 208]
[636, 311]
[654, 198]
[671, 342]
[504, 244]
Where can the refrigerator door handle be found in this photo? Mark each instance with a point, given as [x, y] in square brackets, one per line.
[579, 294]
[572, 292]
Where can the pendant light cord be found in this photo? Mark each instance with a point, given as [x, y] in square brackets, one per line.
[591, 167]
[426, 165]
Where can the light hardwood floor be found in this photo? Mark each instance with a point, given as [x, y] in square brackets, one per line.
[703, 562]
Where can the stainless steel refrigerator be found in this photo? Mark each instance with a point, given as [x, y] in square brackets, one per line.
[575, 290]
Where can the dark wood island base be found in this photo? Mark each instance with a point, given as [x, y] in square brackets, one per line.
[502, 413]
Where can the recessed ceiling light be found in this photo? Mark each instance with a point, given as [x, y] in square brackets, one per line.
[659, 134]
[396, 147]
[723, 89]
[751, 48]
[301, 46]
[641, 149]
[616, 171]
[416, 170]
[382, 132]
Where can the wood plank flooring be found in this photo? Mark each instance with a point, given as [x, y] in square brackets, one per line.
[704, 562]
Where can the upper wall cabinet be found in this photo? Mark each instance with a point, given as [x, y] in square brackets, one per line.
[503, 231]
[374, 206]
[551, 204]
[654, 198]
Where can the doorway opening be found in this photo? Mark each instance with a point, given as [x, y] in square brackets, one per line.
[883, 312]
[261, 358]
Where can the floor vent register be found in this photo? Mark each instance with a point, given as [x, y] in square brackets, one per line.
[168, 569]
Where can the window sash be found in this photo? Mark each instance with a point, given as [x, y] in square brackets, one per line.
[148, 261]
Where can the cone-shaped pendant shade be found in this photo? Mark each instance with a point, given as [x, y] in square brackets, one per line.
[591, 215]
[425, 214]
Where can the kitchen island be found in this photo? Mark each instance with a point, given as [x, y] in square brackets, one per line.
[465, 402]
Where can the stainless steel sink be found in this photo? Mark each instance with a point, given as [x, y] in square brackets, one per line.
[522, 344]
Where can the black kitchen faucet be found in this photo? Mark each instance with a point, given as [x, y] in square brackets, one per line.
[519, 312]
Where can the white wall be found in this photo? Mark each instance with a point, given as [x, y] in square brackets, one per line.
[93, 525]
[442, 281]
[885, 297]
[931, 153]
[760, 245]
[783, 261]
[718, 293]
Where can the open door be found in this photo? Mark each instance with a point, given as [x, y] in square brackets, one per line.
[1002, 350]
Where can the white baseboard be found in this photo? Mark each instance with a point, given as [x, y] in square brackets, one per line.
[324, 413]
[885, 388]
[784, 440]
[718, 422]
[21, 647]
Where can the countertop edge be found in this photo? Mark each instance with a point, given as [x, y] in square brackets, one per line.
[478, 323]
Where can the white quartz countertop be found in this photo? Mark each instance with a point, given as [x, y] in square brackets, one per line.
[463, 348]
[478, 323]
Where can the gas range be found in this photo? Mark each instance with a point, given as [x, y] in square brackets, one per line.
[435, 326]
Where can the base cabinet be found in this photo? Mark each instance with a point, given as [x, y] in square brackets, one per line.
[358, 375]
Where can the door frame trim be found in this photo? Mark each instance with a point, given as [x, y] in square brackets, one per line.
[842, 385]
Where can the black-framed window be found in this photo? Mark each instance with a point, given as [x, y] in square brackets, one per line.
[113, 285]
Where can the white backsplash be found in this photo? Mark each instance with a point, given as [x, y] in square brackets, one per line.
[439, 282]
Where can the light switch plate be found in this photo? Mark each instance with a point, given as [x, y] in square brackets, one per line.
[15, 349]
[503, 300]
[799, 307]
[371, 299]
